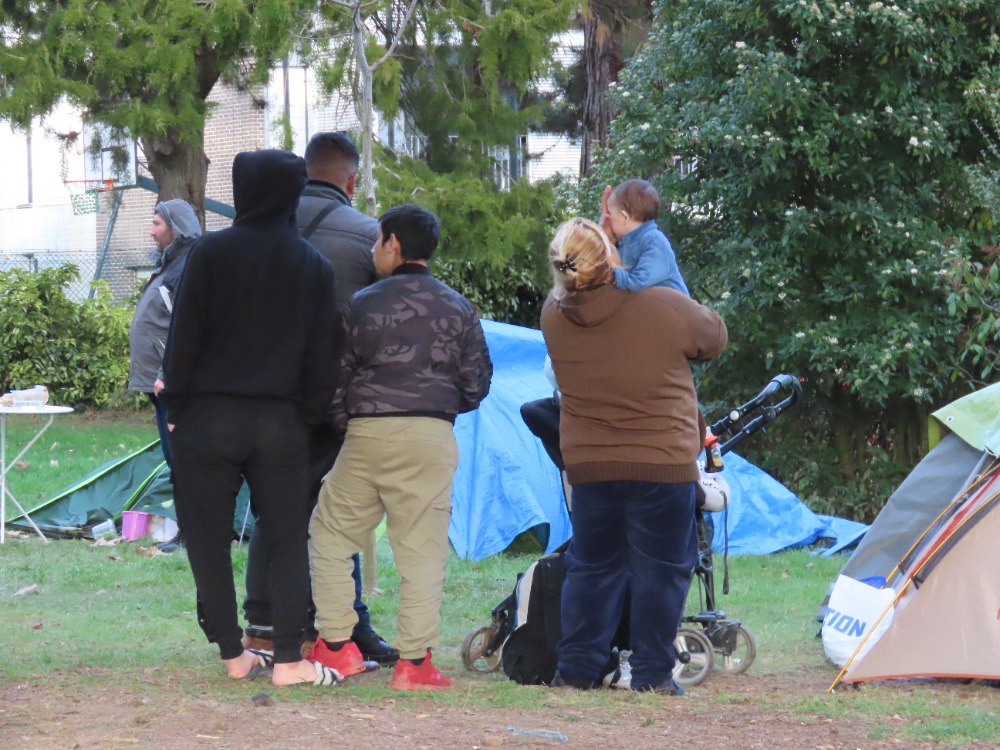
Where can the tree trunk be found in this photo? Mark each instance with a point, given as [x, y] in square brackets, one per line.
[850, 433]
[602, 51]
[366, 113]
[910, 433]
[180, 170]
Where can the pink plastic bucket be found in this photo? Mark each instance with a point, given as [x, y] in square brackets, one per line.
[134, 524]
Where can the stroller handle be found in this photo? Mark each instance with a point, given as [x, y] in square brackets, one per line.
[757, 413]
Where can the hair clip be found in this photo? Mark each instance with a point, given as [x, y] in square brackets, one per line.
[566, 265]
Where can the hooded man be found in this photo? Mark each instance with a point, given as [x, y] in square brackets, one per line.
[175, 229]
[345, 237]
[251, 365]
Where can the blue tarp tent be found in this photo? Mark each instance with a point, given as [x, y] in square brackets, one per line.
[506, 484]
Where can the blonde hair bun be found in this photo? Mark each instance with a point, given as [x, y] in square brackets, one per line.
[581, 257]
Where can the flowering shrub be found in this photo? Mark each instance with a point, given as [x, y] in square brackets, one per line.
[817, 160]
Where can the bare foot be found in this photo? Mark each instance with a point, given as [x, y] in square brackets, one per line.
[299, 672]
[243, 665]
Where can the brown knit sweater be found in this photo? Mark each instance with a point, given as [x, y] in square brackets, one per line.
[629, 408]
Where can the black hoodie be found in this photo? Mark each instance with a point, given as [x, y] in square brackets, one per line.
[256, 312]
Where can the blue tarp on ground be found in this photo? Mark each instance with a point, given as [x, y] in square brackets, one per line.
[506, 484]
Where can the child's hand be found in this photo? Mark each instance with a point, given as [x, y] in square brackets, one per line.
[605, 221]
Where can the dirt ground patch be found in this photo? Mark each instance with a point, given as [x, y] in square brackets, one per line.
[66, 711]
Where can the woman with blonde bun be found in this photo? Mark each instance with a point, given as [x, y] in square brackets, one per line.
[630, 435]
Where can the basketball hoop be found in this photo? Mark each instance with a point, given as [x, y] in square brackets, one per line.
[84, 195]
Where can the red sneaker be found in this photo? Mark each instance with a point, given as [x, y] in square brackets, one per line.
[409, 676]
[347, 661]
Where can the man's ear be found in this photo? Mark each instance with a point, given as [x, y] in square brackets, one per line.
[352, 183]
[393, 244]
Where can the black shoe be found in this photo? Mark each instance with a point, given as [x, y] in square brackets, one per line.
[667, 687]
[258, 632]
[173, 545]
[373, 648]
[575, 683]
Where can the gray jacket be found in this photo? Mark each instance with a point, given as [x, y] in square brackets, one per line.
[151, 322]
[414, 347]
[344, 236]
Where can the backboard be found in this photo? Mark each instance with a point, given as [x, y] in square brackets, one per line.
[110, 155]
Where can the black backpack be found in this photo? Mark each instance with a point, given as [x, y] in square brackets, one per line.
[529, 653]
[528, 656]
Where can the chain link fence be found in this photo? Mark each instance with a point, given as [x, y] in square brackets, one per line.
[106, 242]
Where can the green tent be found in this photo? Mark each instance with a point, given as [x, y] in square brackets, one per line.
[138, 481]
[974, 418]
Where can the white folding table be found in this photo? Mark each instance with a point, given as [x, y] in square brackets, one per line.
[5, 465]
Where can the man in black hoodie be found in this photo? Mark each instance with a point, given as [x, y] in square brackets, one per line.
[251, 364]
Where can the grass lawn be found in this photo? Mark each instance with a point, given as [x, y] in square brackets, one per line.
[72, 447]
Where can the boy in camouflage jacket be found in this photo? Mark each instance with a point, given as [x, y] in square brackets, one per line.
[415, 356]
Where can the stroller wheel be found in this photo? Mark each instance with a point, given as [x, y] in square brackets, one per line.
[742, 655]
[694, 657]
[474, 648]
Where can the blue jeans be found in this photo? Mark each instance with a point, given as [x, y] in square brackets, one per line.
[635, 538]
[161, 427]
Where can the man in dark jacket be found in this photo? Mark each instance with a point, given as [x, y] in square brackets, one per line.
[250, 366]
[327, 219]
[345, 237]
[175, 229]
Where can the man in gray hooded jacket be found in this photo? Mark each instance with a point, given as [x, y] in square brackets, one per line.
[175, 228]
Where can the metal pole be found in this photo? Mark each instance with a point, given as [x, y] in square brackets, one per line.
[107, 240]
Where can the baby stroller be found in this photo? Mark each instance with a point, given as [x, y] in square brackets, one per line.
[708, 639]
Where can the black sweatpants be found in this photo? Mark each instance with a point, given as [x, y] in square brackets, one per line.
[217, 442]
[324, 446]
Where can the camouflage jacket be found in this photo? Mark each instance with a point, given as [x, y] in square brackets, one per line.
[414, 347]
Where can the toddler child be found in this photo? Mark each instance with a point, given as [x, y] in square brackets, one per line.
[629, 218]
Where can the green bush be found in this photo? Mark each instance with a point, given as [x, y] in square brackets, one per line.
[493, 242]
[79, 350]
[511, 296]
